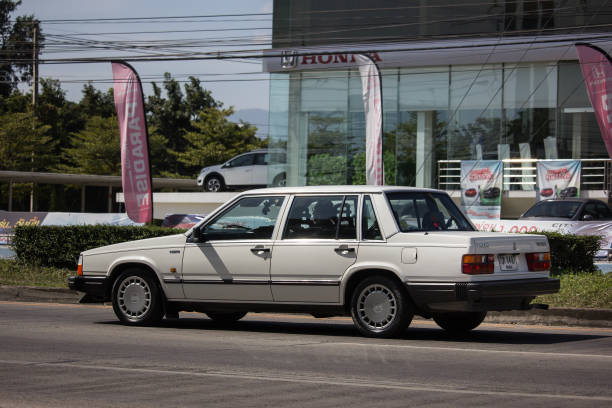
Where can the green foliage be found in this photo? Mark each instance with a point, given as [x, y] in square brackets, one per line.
[95, 150]
[325, 169]
[569, 253]
[359, 168]
[16, 40]
[60, 246]
[15, 273]
[24, 143]
[214, 139]
[584, 290]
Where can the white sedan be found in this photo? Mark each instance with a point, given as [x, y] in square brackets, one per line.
[379, 254]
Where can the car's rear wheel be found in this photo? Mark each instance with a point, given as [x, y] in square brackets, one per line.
[459, 322]
[213, 184]
[380, 308]
[226, 317]
[280, 180]
[137, 299]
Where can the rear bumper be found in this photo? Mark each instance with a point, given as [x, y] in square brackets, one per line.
[94, 286]
[479, 296]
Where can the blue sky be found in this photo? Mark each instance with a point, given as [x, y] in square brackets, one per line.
[240, 94]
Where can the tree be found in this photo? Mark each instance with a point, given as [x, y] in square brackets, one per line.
[174, 115]
[95, 150]
[24, 143]
[215, 139]
[16, 46]
[97, 103]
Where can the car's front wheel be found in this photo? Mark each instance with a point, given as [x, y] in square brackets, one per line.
[379, 307]
[459, 322]
[213, 184]
[137, 299]
[226, 317]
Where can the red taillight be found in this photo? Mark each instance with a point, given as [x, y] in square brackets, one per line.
[80, 270]
[477, 264]
[538, 261]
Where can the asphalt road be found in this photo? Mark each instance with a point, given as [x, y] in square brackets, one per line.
[79, 356]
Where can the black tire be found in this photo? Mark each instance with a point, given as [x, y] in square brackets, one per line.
[280, 180]
[226, 317]
[137, 299]
[213, 184]
[380, 307]
[459, 322]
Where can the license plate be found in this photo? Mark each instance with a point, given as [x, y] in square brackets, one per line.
[508, 262]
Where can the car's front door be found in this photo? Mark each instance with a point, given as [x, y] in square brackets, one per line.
[239, 172]
[318, 244]
[230, 258]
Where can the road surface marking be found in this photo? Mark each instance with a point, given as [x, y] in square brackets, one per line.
[346, 382]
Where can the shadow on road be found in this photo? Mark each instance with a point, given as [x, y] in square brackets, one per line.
[491, 335]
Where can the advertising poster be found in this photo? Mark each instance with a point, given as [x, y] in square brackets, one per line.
[558, 179]
[481, 188]
[600, 228]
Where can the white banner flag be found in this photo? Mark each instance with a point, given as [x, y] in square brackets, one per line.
[372, 106]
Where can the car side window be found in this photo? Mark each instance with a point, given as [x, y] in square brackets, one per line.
[322, 217]
[249, 218]
[369, 224]
[261, 159]
[245, 160]
[604, 211]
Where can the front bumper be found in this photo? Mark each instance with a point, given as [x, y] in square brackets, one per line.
[95, 287]
[479, 296]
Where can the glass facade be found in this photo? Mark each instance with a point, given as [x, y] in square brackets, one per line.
[492, 111]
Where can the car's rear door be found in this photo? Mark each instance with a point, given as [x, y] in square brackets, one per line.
[316, 246]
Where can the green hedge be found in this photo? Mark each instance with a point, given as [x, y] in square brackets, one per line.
[571, 253]
[60, 246]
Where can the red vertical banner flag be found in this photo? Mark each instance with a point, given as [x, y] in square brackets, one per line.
[371, 86]
[597, 72]
[134, 139]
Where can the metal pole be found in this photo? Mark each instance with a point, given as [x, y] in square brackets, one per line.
[83, 198]
[34, 95]
[10, 195]
[110, 199]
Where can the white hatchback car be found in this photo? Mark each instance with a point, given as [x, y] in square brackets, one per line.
[248, 170]
[379, 254]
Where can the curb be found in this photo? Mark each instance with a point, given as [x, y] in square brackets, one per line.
[550, 317]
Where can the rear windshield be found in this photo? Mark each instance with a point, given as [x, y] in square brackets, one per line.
[556, 209]
[420, 211]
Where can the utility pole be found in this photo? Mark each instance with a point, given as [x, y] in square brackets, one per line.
[34, 94]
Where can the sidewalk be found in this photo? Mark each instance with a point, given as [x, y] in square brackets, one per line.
[551, 317]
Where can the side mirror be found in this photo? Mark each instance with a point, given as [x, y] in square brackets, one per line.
[587, 217]
[226, 165]
[199, 235]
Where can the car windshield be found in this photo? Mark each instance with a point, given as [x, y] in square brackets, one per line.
[554, 209]
[424, 211]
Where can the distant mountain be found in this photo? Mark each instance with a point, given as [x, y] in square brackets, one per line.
[256, 117]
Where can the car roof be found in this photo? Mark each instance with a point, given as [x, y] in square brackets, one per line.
[581, 200]
[340, 189]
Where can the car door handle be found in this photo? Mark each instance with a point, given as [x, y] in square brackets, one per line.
[258, 250]
[344, 249]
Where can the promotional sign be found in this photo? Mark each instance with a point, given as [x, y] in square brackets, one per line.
[601, 228]
[558, 179]
[135, 167]
[481, 188]
[10, 220]
[372, 106]
[596, 69]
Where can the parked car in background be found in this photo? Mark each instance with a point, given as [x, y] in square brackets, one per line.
[379, 254]
[574, 209]
[247, 170]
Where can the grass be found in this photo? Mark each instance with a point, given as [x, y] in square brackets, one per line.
[14, 273]
[584, 290]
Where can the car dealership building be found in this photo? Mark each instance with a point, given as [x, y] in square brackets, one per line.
[484, 79]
